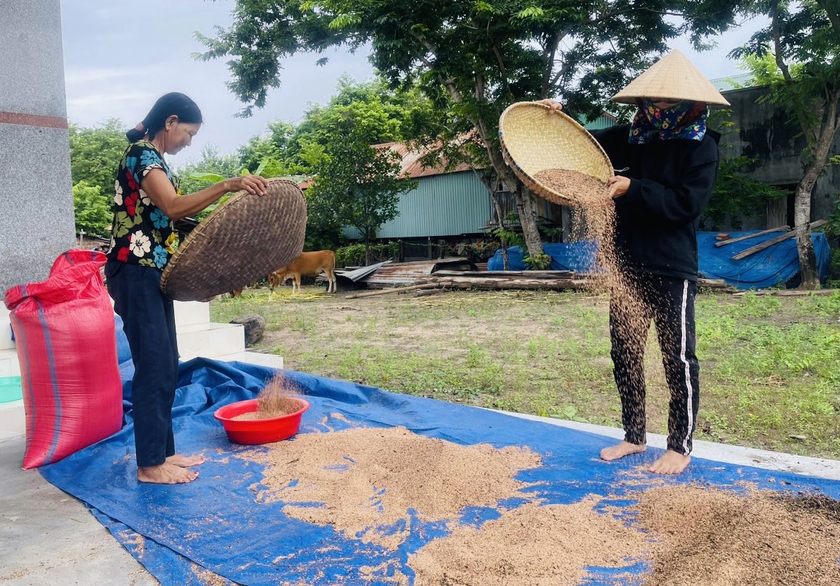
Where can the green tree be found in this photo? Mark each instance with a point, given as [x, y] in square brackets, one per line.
[275, 150]
[386, 114]
[736, 196]
[472, 59]
[357, 185]
[370, 111]
[92, 209]
[95, 154]
[797, 56]
[211, 164]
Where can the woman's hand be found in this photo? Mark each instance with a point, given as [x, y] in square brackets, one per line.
[618, 186]
[551, 104]
[160, 190]
[253, 184]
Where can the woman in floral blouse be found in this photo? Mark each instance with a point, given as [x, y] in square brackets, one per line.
[146, 204]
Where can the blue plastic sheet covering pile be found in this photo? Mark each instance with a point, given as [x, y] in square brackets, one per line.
[774, 266]
[218, 524]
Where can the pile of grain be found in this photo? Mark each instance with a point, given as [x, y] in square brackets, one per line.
[531, 545]
[208, 578]
[718, 538]
[375, 484]
[370, 478]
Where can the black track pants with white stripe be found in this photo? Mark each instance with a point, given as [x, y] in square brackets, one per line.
[669, 303]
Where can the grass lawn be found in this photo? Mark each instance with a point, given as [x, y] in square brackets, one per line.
[769, 366]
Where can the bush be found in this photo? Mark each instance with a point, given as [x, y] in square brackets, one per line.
[540, 262]
[92, 210]
[476, 251]
[354, 255]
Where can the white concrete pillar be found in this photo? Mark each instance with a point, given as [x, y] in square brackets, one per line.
[36, 195]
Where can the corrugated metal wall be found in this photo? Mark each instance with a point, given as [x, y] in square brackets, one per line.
[442, 205]
[600, 123]
[450, 204]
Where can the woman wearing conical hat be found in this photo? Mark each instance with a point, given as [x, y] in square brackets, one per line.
[666, 162]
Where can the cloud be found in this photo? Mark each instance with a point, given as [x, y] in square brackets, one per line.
[109, 98]
[84, 75]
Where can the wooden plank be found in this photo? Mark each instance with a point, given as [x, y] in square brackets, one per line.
[787, 292]
[393, 290]
[774, 241]
[742, 238]
[501, 283]
[508, 274]
[711, 283]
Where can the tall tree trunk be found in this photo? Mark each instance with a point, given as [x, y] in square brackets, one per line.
[801, 218]
[528, 220]
[821, 151]
[491, 182]
[524, 203]
[819, 136]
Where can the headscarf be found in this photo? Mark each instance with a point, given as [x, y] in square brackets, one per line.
[686, 120]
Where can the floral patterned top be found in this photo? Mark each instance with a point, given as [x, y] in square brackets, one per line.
[141, 233]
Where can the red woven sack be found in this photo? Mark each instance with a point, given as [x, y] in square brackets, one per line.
[66, 344]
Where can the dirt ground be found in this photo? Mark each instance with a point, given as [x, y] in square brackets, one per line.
[765, 380]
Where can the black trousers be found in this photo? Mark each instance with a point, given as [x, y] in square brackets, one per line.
[669, 303]
[149, 324]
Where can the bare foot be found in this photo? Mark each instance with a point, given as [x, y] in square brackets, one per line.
[621, 450]
[670, 463]
[166, 473]
[185, 461]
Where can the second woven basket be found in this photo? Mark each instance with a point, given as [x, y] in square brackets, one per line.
[240, 242]
[534, 139]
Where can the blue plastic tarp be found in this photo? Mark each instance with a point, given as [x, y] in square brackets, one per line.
[217, 523]
[775, 266]
[565, 256]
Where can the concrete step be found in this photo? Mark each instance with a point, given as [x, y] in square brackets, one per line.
[190, 313]
[12, 420]
[210, 340]
[5, 329]
[9, 365]
[258, 358]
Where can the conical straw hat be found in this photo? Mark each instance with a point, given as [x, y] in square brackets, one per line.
[673, 77]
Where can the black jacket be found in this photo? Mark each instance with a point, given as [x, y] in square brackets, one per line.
[657, 219]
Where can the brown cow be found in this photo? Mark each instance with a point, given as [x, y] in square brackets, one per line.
[308, 264]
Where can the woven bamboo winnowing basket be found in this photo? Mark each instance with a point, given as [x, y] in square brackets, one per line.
[534, 139]
[240, 242]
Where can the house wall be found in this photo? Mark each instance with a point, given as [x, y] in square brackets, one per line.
[768, 135]
[441, 205]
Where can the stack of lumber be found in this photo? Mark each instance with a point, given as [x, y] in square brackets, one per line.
[516, 280]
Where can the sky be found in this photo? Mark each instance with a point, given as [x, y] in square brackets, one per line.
[121, 55]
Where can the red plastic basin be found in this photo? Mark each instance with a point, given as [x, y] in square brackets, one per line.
[259, 431]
